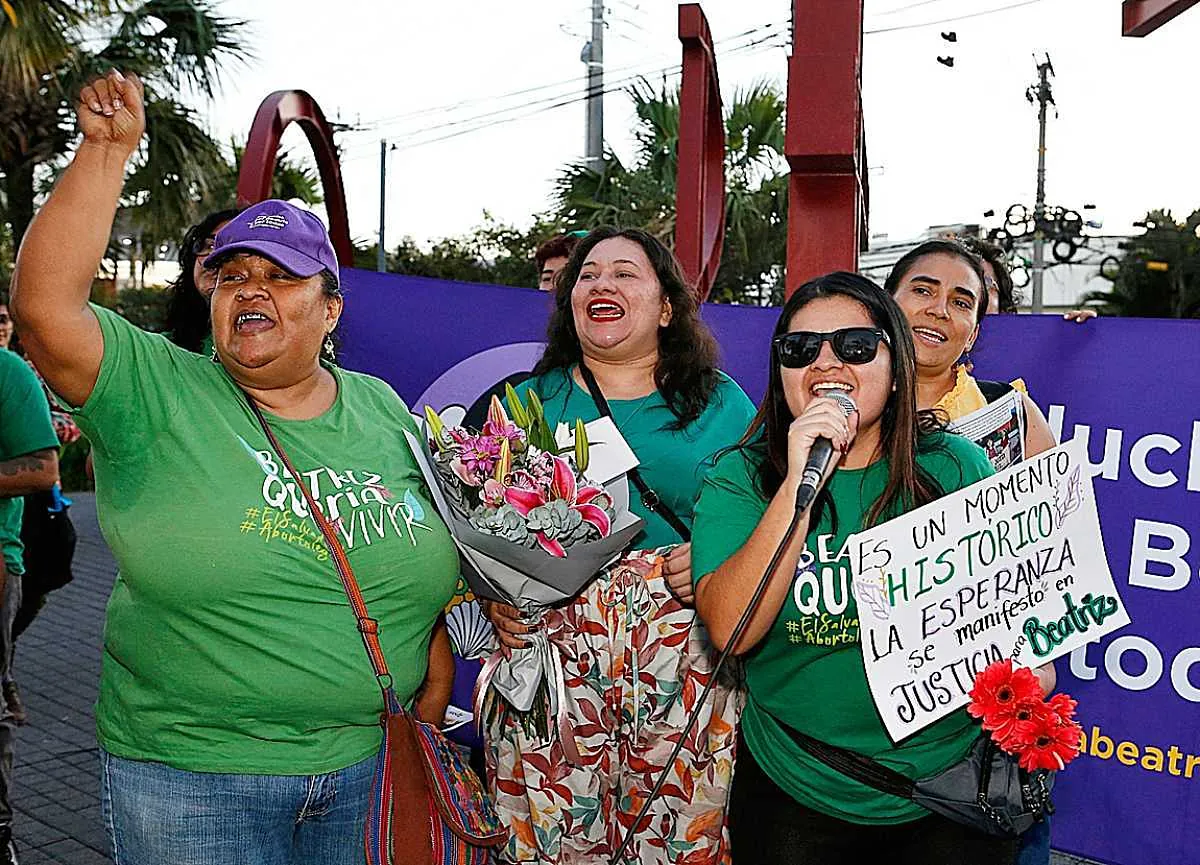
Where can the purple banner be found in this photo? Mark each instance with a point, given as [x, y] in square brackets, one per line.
[1131, 386]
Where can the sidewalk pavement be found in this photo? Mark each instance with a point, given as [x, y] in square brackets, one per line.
[56, 792]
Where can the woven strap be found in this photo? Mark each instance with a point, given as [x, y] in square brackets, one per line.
[367, 627]
[852, 764]
[650, 498]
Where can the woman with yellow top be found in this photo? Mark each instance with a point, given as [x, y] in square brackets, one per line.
[940, 287]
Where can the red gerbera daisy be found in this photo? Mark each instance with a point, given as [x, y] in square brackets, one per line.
[998, 688]
[1014, 727]
[1063, 706]
[1054, 744]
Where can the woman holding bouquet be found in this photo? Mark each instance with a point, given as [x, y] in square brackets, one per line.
[838, 334]
[634, 654]
[238, 716]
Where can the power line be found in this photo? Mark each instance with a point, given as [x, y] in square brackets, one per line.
[900, 9]
[670, 71]
[375, 125]
[558, 100]
[979, 14]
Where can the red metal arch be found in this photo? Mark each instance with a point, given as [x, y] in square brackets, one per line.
[825, 141]
[700, 175]
[1143, 17]
[276, 112]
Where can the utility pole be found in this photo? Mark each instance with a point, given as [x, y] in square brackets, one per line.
[593, 56]
[1040, 93]
[380, 254]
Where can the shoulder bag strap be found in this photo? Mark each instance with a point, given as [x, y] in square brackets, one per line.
[650, 498]
[367, 627]
[853, 765]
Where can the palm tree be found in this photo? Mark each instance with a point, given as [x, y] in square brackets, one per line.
[644, 195]
[177, 47]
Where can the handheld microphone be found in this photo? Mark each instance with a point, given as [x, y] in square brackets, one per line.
[819, 457]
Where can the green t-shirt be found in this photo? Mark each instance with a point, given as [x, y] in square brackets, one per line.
[25, 427]
[229, 644]
[808, 670]
[673, 462]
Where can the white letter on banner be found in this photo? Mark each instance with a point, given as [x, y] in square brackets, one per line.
[1193, 483]
[1141, 449]
[1180, 667]
[1112, 663]
[1141, 553]
[1080, 668]
[1110, 461]
[1054, 417]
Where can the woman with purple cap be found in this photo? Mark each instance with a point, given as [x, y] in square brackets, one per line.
[238, 718]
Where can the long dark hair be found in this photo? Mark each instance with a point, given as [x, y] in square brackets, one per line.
[1006, 291]
[188, 321]
[686, 372]
[903, 429]
[952, 248]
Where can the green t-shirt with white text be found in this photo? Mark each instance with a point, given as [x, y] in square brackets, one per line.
[229, 644]
[808, 670]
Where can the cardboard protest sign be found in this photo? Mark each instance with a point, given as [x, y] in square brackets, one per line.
[1010, 567]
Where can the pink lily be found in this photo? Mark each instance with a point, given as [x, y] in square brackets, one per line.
[499, 426]
[563, 488]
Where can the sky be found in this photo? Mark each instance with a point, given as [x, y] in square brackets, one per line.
[944, 144]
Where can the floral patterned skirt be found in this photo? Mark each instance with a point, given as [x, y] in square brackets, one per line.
[634, 661]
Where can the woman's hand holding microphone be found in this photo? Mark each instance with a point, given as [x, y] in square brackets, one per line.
[824, 417]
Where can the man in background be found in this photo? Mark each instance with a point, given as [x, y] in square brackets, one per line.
[552, 255]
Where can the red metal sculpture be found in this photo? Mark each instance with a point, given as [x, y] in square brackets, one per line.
[700, 175]
[262, 150]
[1143, 17]
[825, 142]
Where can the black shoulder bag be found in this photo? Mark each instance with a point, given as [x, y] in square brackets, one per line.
[650, 498]
[985, 790]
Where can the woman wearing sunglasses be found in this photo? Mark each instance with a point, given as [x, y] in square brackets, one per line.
[839, 334]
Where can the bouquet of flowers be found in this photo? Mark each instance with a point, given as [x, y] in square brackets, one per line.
[531, 529]
[511, 482]
[1041, 733]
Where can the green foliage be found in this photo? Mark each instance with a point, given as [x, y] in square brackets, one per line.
[145, 307]
[643, 194]
[177, 47]
[293, 178]
[493, 252]
[1159, 274]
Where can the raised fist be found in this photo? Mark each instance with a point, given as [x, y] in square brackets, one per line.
[112, 112]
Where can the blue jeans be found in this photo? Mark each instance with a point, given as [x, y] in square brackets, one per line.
[156, 815]
[1035, 845]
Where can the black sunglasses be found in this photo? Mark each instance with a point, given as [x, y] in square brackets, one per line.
[851, 344]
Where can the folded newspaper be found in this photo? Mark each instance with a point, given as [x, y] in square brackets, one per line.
[998, 428]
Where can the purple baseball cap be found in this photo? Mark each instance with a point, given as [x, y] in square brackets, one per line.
[294, 239]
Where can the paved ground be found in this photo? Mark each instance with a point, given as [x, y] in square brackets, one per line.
[56, 793]
[56, 787]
